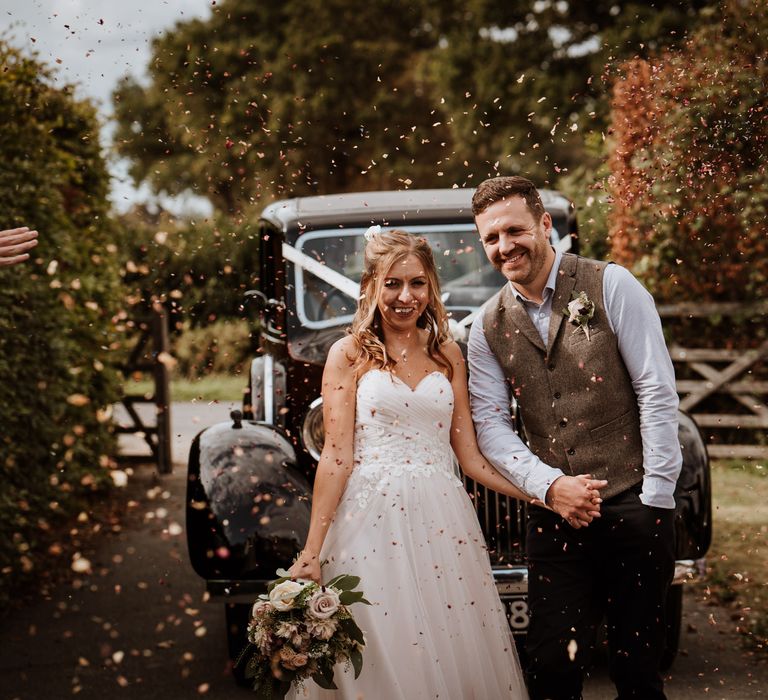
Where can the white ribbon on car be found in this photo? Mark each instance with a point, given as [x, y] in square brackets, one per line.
[322, 271]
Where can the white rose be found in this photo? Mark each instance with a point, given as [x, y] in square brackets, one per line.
[323, 604]
[283, 594]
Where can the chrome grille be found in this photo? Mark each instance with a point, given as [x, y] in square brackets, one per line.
[502, 520]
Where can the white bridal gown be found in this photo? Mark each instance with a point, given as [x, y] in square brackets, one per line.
[406, 526]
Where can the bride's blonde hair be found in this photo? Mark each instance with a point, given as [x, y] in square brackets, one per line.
[383, 250]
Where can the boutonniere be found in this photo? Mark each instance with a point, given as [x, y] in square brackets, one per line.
[580, 310]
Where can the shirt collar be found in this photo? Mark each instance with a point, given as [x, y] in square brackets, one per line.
[549, 287]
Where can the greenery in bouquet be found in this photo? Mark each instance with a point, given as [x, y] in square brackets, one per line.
[299, 630]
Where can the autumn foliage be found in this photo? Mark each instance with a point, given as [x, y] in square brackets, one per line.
[689, 173]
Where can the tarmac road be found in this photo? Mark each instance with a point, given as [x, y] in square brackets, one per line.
[137, 625]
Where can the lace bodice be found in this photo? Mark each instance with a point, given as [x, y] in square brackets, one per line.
[400, 431]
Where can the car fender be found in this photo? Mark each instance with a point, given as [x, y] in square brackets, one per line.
[248, 505]
[693, 493]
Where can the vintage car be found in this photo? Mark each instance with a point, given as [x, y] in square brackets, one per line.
[250, 477]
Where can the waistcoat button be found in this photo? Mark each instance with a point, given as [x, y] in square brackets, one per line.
[571, 451]
[563, 423]
[557, 394]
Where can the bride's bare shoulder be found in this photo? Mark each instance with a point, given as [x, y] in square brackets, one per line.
[341, 356]
[347, 345]
[452, 350]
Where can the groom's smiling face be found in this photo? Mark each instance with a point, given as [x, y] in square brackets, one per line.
[516, 244]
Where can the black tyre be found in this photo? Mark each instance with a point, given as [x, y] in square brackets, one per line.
[237, 616]
[674, 625]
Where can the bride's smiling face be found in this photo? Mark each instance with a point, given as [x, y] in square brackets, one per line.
[404, 293]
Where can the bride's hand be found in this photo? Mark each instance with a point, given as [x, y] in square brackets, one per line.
[307, 566]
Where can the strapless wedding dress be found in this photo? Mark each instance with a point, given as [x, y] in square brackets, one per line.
[436, 627]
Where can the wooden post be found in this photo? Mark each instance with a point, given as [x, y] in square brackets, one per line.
[154, 330]
[162, 389]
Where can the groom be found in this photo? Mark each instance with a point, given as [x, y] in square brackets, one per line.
[596, 391]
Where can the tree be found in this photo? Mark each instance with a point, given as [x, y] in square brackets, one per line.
[283, 98]
[522, 79]
[289, 98]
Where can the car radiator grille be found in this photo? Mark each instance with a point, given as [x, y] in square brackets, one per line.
[502, 520]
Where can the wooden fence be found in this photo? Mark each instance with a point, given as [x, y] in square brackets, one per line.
[739, 374]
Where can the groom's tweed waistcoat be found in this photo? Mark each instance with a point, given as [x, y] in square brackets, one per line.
[576, 398]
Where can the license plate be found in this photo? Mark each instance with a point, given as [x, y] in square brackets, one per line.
[516, 608]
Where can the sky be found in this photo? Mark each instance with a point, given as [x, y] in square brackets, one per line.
[92, 44]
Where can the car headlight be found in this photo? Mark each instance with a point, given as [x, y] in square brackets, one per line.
[313, 430]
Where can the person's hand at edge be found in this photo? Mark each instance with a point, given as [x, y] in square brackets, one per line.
[14, 244]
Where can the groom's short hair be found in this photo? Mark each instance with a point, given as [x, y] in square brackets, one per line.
[497, 188]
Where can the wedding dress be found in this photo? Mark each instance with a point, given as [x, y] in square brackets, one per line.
[406, 526]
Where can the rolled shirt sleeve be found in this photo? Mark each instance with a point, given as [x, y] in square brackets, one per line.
[496, 436]
[635, 322]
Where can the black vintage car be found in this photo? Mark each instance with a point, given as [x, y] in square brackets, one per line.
[250, 478]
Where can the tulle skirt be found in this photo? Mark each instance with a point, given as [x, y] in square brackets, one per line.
[436, 627]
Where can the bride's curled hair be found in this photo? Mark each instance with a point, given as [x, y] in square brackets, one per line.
[383, 250]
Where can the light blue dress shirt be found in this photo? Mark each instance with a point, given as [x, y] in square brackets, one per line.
[633, 319]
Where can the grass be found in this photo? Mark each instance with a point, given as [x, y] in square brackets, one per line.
[738, 558]
[211, 387]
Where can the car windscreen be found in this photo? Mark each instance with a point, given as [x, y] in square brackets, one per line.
[467, 279]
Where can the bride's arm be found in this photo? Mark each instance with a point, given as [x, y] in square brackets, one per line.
[335, 465]
[464, 441]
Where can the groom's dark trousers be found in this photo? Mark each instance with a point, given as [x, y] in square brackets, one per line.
[619, 567]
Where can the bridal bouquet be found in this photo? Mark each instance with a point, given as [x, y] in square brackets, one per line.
[300, 630]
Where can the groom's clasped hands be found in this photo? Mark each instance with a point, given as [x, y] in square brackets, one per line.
[575, 498]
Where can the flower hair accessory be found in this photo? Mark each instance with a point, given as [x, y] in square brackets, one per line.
[372, 232]
[580, 310]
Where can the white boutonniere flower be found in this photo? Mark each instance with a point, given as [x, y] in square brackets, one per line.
[580, 310]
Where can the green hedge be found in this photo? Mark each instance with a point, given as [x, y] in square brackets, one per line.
[56, 314]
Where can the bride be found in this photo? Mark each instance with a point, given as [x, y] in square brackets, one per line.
[387, 505]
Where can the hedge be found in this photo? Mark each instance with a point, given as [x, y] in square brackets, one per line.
[56, 315]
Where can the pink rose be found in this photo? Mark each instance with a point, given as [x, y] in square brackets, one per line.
[323, 604]
[260, 607]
